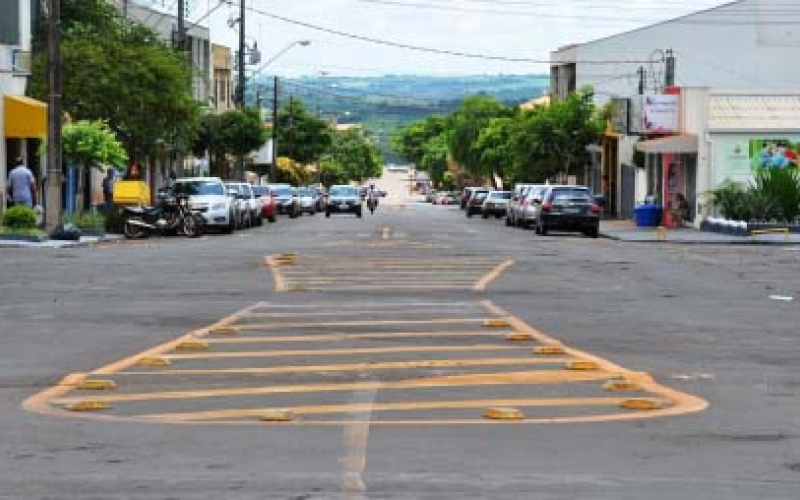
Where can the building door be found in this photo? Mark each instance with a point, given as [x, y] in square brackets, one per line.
[627, 190]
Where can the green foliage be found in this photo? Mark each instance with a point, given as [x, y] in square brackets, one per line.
[301, 136]
[781, 187]
[354, 156]
[86, 220]
[91, 143]
[19, 217]
[464, 128]
[236, 132]
[123, 74]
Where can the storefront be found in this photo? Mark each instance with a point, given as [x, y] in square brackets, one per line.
[23, 118]
[671, 172]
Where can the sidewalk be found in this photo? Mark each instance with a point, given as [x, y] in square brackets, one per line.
[627, 231]
[83, 242]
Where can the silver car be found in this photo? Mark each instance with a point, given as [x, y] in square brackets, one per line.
[528, 211]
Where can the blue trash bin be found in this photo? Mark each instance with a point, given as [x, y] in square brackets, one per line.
[648, 215]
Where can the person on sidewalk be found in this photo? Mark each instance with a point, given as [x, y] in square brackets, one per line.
[22, 185]
[681, 213]
[108, 190]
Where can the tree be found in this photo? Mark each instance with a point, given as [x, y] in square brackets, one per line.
[91, 144]
[493, 147]
[235, 132]
[411, 142]
[464, 127]
[355, 155]
[121, 73]
[301, 137]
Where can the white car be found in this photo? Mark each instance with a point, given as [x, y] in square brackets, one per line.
[308, 203]
[208, 196]
[247, 202]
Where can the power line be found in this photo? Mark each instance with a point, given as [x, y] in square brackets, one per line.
[430, 50]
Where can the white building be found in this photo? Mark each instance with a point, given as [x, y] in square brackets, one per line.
[746, 46]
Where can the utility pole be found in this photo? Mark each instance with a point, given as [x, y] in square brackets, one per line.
[180, 41]
[53, 201]
[272, 167]
[240, 56]
[640, 72]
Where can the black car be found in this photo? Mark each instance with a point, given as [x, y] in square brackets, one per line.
[343, 199]
[475, 203]
[568, 208]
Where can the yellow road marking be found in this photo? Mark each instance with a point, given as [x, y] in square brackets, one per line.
[280, 353]
[369, 366]
[330, 337]
[325, 324]
[495, 273]
[483, 379]
[407, 406]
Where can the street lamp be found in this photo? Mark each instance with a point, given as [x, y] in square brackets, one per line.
[304, 43]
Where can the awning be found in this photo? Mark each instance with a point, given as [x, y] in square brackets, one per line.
[24, 117]
[676, 144]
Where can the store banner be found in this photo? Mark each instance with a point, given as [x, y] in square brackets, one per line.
[661, 113]
[737, 157]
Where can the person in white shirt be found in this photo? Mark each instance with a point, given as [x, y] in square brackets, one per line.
[22, 185]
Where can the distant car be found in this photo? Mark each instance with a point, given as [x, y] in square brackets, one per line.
[430, 196]
[268, 208]
[286, 201]
[495, 204]
[568, 208]
[517, 203]
[308, 201]
[529, 206]
[207, 195]
[475, 202]
[249, 206]
[467, 193]
[444, 199]
[343, 198]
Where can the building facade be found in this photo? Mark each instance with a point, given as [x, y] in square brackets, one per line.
[222, 67]
[734, 47]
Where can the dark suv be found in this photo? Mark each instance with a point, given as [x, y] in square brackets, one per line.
[568, 208]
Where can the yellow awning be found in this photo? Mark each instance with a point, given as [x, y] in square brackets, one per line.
[24, 117]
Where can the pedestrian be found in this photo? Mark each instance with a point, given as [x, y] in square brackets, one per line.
[22, 185]
[108, 190]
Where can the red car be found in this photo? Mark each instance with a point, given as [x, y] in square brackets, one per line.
[268, 207]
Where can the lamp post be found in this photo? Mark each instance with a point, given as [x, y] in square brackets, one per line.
[303, 43]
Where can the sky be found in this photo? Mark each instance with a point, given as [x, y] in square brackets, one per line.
[525, 31]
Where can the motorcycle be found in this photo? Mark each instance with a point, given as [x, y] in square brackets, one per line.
[372, 203]
[170, 216]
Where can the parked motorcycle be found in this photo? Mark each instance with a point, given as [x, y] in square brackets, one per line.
[170, 216]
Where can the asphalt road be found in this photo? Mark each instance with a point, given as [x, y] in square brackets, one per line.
[375, 337]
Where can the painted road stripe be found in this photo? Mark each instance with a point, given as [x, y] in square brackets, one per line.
[392, 322]
[482, 379]
[488, 278]
[369, 366]
[281, 353]
[406, 406]
[330, 337]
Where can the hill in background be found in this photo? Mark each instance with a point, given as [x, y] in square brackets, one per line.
[383, 104]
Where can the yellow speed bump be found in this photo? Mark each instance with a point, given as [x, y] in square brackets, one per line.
[581, 366]
[550, 350]
[295, 287]
[226, 330]
[88, 406]
[641, 404]
[288, 255]
[519, 337]
[153, 361]
[622, 385]
[97, 385]
[192, 345]
[504, 413]
[277, 415]
[496, 323]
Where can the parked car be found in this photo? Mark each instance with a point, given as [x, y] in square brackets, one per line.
[568, 208]
[430, 196]
[495, 204]
[343, 199]
[475, 202]
[444, 199]
[308, 202]
[528, 209]
[249, 209]
[318, 196]
[287, 201]
[517, 203]
[208, 196]
[268, 208]
[467, 193]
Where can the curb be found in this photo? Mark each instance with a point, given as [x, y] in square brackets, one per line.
[699, 242]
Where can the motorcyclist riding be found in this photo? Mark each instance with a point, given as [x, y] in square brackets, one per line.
[372, 198]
